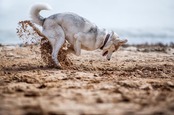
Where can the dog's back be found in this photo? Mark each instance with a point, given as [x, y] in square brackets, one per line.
[72, 22]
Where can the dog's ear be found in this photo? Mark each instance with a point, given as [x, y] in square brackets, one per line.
[113, 36]
[112, 33]
[121, 42]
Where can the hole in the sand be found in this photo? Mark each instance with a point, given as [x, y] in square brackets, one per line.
[42, 86]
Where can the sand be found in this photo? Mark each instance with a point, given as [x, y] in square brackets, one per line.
[137, 81]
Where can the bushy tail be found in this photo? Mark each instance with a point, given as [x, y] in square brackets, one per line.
[35, 10]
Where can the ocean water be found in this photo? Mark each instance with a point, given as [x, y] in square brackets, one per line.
[139, 21]
[151, 36]
[133, 37]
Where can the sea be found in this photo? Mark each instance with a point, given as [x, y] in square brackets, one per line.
[139, 21]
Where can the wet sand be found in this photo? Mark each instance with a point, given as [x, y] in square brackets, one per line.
[137, 81]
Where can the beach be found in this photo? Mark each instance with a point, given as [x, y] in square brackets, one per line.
[138, 80]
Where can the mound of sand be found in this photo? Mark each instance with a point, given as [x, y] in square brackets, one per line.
[30, 34]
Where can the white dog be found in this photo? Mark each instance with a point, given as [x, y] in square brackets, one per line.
[78, 31]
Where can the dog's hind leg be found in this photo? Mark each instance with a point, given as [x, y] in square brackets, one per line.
[56, 37]
[56, 47]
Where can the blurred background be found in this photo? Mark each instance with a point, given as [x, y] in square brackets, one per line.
[140, 21]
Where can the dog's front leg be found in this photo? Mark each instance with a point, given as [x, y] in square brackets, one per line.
[77, 46]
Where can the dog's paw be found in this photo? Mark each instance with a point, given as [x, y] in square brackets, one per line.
[58, 66]
[55, 66]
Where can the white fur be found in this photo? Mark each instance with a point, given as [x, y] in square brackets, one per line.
[35, 10]
[78, 31]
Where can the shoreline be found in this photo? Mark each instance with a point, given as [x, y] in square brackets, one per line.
[171, 44]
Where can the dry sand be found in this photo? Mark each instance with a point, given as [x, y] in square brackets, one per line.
[137, 81]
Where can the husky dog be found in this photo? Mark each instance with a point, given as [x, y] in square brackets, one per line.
[78, 31]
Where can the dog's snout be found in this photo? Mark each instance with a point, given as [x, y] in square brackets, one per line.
[109, 59]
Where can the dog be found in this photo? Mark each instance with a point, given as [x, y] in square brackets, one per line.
[78, 31]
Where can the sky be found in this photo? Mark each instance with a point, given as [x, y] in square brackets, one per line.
[109, 14]
[105, 13]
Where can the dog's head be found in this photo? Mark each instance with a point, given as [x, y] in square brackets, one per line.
[112, 45]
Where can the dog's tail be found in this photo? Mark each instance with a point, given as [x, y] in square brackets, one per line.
[35, 10]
